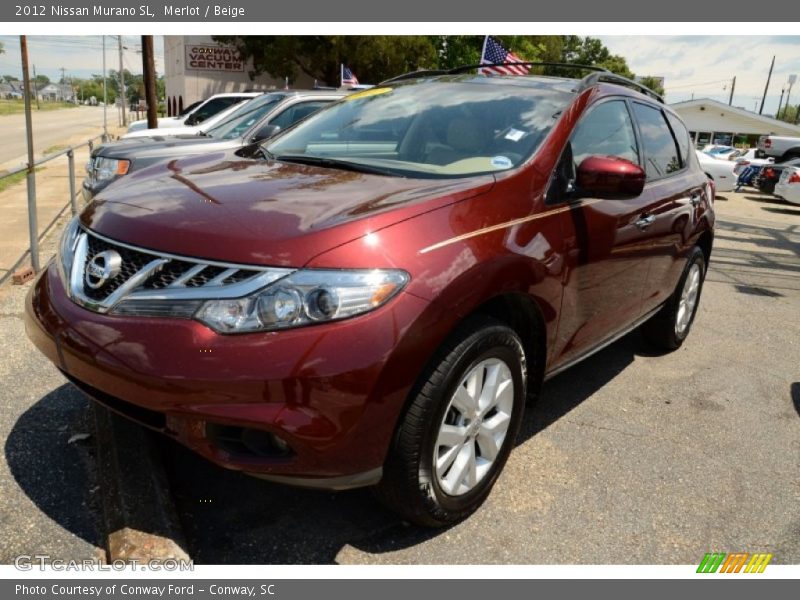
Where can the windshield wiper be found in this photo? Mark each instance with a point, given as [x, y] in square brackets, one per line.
[335, 163]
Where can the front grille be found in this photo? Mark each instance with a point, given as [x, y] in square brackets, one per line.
[148, 277]
[132, 263]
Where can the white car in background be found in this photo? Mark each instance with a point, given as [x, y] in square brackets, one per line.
[199, 113]
[184, 130]
[720, 171]
[748, 159]
[788, 186]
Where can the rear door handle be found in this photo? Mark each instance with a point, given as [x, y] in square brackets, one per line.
[645, 221]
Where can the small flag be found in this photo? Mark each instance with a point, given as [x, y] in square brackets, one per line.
[348, 78]
[494, 54]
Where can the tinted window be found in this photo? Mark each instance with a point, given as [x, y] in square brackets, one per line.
[660, 151]
[299, 111]
[682, 136]
[607, 131]
[245, 116]
[212, 107]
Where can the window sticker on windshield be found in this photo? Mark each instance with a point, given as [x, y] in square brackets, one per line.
[514, 135]
[501, 162]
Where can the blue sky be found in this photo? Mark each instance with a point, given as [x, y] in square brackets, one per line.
[703, 65]
[81, 56]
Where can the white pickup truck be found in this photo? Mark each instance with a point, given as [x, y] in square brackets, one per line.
[782, 148]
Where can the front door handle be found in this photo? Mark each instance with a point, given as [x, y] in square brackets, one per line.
[645, 221]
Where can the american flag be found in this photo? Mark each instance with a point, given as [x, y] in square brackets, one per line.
[494, 53]
[348, 78]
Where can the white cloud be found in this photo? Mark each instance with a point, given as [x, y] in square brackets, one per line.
[704, 65]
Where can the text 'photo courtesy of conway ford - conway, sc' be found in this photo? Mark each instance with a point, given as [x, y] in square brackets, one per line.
[369, 297]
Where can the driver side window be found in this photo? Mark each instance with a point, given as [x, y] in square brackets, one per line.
[607, 130]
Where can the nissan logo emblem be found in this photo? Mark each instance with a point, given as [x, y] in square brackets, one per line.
[102, 267]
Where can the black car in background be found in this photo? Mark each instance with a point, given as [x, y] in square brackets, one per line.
[254, 121]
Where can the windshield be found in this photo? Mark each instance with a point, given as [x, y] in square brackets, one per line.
[244, 117]
[428, 129]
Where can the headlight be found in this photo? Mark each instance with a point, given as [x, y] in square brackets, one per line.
[303, 298]
[109, 168]
[66, 249]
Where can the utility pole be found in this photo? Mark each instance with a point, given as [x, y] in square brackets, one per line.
[792, 79]
[780, 101]
[105, 95]
[733, 87]
[33, 227]
[35, 91]
[766, 87]
[149, 70]
[122, 83]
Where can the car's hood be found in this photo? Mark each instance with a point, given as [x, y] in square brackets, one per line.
[223, 207]
[141, 148]
[163, 131]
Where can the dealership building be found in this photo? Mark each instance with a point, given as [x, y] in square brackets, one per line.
[196, 67]
[713, 122]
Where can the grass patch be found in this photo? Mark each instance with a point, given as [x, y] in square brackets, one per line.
[14, 107]
[12, 180]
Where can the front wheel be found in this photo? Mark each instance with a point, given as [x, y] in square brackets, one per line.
[671, 324]
[458, 431]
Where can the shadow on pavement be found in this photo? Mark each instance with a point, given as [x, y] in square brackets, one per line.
[56, 475]
[230, 518]
[795, 392]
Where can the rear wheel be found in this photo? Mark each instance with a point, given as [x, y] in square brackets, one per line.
[671, 324]
[458, 431]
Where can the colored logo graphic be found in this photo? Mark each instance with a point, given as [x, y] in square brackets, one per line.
[734, 563]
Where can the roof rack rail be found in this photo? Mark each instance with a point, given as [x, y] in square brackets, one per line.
[608, 77]
[465, 68]
[415, 75]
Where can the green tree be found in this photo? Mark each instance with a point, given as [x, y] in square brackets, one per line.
[789, 114]
[653, 83]
[371, 57]
[41, 81]
[591, 51]
[374, 58]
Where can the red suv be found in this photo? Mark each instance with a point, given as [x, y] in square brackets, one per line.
[369, 298]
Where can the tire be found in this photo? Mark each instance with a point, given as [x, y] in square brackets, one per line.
[483, 348]
[670, 326]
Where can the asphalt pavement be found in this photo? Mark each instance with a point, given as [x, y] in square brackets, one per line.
[628, 458]
[50, 128]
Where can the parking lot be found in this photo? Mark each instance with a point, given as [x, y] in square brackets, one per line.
[629, 457]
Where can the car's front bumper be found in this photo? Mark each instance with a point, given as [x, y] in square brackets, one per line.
[332, 392]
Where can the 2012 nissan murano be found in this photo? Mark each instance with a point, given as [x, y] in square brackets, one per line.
[370, 298]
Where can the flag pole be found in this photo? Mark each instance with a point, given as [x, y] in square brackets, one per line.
[483, 51]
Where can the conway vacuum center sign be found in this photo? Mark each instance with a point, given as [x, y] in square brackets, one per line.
[213, 58]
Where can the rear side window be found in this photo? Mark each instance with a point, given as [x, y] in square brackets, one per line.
[299, 111]
[607, 131]
[212, 107]
[660, 149]
[682, 137]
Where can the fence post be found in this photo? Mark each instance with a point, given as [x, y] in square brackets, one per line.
[71, 165]
[33, 225]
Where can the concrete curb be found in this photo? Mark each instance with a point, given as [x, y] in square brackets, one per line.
[140, 519]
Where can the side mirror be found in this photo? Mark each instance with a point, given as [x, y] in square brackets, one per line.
[265, 132]
[609, 177]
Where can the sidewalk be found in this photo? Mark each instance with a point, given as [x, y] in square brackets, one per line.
[52, 196]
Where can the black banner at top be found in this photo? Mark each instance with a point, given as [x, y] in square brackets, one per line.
[344, 11]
